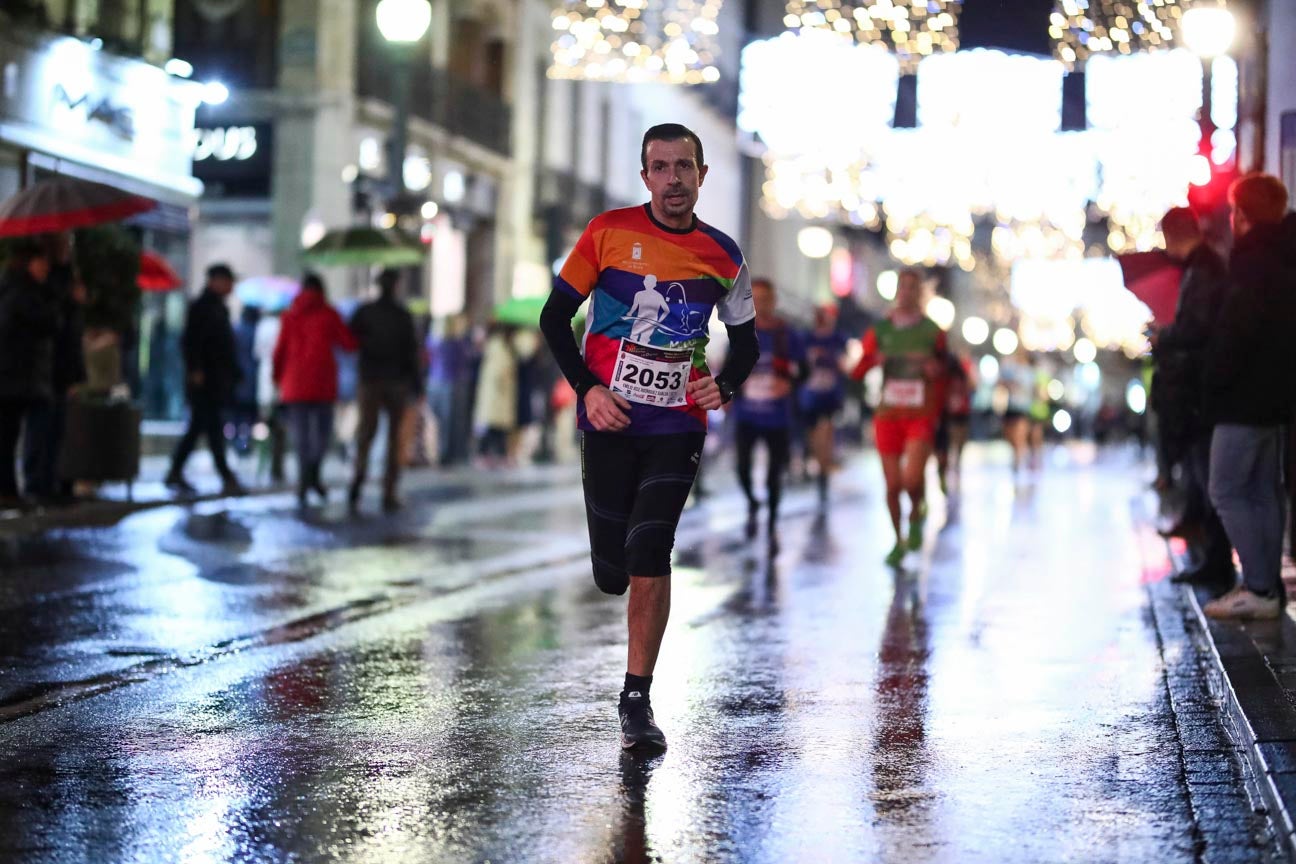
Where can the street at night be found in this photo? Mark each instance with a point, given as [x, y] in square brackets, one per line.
[238, 683]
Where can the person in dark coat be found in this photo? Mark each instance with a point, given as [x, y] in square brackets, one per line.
[211, 372]
[29, 323]
[245, 409]
[389, 378]
[1250, 391]
[306, 372]
[46, 424]
[1180, 351]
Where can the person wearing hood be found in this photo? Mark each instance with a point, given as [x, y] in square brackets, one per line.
[1250, 391]
[307, 375]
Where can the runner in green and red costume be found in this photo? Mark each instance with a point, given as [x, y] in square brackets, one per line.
[911, 349]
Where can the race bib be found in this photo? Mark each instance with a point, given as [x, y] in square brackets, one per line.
[903, 394]
[762, 387]
[652, 376]
[822, 381]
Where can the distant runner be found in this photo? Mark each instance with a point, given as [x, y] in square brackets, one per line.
[952, 433]
[763, 409]
[653, 275]
[823, 393]
[910, 348]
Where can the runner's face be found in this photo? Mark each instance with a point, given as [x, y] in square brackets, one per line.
[763, 300]
[673, 178]
[909, 294]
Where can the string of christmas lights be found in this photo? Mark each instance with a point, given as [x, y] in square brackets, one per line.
[671, 41]
[1082, 28]
[911, 29]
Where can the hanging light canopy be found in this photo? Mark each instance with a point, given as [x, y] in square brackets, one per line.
[1082, 28]
[672, 41]
[911, 29]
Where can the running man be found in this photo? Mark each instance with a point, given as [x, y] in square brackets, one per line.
[763, 409]
[952, 433]
[823, 393]
[643, 404]
[910, 348]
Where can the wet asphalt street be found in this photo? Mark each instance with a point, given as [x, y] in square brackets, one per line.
[238, 682]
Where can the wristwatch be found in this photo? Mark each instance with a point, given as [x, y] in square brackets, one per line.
[726, 392]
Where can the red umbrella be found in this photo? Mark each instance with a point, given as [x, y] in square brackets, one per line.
[155, 274]
[1153, 277]
[63, 203]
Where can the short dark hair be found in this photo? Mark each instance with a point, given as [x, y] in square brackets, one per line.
[764, 280]
[1180, 223]
[670, 132]
[25, 250]
[313, 282]
[220, 271]
[912, 272]
[388, 280]
[1262, 198]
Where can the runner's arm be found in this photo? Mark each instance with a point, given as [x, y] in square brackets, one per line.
[744, 351]
[871, 356]
[555, 324]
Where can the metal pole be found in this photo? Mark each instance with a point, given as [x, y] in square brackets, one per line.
[396, 144]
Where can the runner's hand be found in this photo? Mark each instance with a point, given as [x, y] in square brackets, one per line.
[608, 411]
[705, 393]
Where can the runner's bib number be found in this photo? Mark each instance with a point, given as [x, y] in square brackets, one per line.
[652, 376]
[822, 381]
[903, 394]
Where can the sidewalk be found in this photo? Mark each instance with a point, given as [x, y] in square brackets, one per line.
[1252, 675]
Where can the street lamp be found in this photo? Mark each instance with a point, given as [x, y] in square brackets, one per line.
[403, 24]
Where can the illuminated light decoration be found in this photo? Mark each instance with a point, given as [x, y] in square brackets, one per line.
[1136, 396]
[1056, 390]
[818, 158]
[815, 241]
[975, 331]
[1081, 29]
[1085, 351]
[841, 272]
[1005, 341]
[988, 367]
[888, 281]
[1062, 421]
[1146, 148]
[942, 311]
[911, 29]
[429, 210]
[671, 41]
[215, 93]
[1053, 296]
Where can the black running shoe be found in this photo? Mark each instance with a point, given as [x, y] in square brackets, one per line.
[638, 728]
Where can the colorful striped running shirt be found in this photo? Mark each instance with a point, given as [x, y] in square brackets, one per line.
[652, 291]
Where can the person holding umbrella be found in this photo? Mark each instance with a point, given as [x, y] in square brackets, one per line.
[211, 371]
[29, 323]
[306, 372]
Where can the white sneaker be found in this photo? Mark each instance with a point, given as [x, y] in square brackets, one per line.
[1241, 604]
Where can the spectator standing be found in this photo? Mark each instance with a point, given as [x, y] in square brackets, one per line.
[267, 394]
[389, 377]
[29, 324]
[47, 421]
[1180, 352]
[307, 375]
[244, 412]
[495, 412]
[211, 372]
[1249, 394]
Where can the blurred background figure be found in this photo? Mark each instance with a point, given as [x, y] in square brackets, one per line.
[956, 418]
[243, 413]
[531, 396]
[824, 393]
[271, 449]
[29, 324]
[1019, 378]
[390, 376]
[495, 415]
[307, 375]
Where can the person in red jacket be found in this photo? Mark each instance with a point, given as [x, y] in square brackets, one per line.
[306, 373]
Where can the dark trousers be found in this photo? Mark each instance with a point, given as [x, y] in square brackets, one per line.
[45, 425]
[206, 419]
[312, 429]
[12, 412]
[375, 397]
[1215, 553]
[777, 447]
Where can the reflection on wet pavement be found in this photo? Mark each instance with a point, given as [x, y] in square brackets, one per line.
[1001, 700]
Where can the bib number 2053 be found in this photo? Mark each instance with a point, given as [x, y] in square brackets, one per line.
[651, 375]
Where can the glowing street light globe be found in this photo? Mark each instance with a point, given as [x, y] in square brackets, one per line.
[815, 241]
[1208, 30]
[975, 331]
[1005, 341]
[404, 21]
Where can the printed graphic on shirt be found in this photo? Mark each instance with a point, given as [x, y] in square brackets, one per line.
[652, 287]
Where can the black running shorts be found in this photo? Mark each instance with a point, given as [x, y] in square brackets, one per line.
[635, 490]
